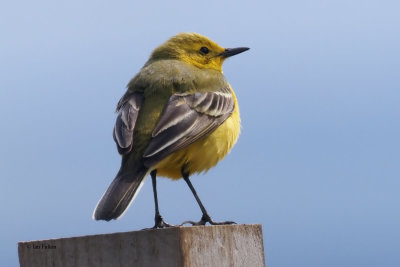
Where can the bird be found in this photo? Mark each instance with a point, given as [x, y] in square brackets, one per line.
[179, 116]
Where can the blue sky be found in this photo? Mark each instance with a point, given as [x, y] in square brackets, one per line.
[317, 163]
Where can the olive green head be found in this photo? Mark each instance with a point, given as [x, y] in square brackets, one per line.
[195, 49]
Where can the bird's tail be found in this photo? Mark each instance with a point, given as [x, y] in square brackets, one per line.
[119, 195]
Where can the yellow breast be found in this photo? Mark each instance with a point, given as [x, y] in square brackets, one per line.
[204, 153]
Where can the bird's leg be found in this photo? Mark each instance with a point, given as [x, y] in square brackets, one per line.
[205, 218]
[159, 221]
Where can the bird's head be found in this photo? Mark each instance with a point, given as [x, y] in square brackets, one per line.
[195, 49]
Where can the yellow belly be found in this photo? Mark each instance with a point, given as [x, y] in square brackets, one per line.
[204, 153]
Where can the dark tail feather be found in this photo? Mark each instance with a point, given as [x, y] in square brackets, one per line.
[119, 195]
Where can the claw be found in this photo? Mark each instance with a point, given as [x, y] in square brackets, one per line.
[160, 223]
[206, 219]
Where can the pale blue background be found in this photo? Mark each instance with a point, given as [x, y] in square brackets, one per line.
[317, 163]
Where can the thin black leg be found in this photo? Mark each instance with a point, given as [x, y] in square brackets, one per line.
[205, 218]
[158, 219]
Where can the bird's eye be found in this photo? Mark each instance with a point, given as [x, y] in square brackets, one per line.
[204, 50]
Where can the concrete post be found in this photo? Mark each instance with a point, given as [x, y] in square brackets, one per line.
[219, 246]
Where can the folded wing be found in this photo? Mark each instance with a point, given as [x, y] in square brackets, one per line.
[125, 123]
[186, 118]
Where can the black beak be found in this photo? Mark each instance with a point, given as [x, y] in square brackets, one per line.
[233, 51]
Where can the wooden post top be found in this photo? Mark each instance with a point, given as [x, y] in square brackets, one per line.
[222, 245]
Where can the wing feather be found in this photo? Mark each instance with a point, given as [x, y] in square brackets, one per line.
[125, 122]
[187, 118]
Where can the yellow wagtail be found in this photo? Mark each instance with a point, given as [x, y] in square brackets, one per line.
[179, 116]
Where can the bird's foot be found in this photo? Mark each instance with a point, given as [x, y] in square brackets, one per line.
[206, 219]
[160, 223]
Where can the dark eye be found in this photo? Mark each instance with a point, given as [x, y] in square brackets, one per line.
[204, 50]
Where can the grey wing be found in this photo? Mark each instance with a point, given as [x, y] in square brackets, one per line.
[186, 118]
[128, 112]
